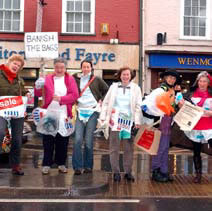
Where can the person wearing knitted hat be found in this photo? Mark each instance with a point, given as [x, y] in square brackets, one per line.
[200, 94]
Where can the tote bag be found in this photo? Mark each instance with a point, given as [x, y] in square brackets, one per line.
[148, 138]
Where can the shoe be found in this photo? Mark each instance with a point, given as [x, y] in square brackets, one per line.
[158, 176]
[129, 177]
[62, 169]
[197, 178]
[116, 177]
[45, 170]
[168, 176]
[77, 172]
[17, 170]
[87, 171]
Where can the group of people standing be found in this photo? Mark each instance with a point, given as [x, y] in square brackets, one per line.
[119, 106]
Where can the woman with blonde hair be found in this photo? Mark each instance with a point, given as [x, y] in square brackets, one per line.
[12, 85]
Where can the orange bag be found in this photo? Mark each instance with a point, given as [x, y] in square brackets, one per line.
[164, 102]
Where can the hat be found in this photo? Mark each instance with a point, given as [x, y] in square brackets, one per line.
[174, 73]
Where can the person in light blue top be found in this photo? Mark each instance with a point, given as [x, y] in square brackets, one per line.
[92, 90]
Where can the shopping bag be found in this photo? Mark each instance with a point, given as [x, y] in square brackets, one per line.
[165, 101]
[148, 139]
[49, 123]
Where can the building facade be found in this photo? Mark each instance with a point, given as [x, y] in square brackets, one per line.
[105, 31]
[176, 35]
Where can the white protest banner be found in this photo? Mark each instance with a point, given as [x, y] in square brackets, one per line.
[41, 45]
[12, 106]
[188, 116]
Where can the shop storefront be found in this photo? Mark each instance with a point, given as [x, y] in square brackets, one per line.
[188, 65]
[107, 59]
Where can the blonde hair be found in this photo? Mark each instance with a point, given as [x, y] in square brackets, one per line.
[16, 57]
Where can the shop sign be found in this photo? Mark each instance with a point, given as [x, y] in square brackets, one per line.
[180, 61]
[77, 54]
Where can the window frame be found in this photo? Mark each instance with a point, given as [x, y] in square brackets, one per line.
[21, 24]
[207, 32]
[92, 19]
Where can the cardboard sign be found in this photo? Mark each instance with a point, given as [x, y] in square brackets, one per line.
[41, 45]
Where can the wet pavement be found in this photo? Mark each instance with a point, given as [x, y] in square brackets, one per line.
[99, 185]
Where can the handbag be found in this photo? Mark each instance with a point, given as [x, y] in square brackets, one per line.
[148, 138]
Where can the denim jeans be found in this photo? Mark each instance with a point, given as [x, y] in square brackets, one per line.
[84, 131]
[17, 126]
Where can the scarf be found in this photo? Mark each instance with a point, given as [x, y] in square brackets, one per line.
[201, 94]
[10, 75]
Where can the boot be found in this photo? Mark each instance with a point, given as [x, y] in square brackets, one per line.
[198, 168]
[158, 176]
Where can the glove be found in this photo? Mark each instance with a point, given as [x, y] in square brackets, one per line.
[39, 83]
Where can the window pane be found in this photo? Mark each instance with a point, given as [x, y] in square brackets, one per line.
[203, 3]
[187, 31]
[187, 11]
[7, 15]
[78, 6]
[8, 4]
[16, 25]
[187, 21]
[86, 17]
[16, 15]
[202, 11]
[194, 31]
[1, 4]
[87, 6]
[195, 3]
[194, 11]
[70, 27]
[70, 17]
[70, 6]
[202, 22]
[187, 3]
[78, 27]
[16, 4]
[1, 15]
[78, 17]
[86, 27]
[201, 31]
[7, 25]
[1, 25]
[194, 21]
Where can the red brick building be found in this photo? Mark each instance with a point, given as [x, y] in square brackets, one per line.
[105, 31]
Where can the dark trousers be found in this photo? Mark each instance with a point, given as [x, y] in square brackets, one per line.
[57, 144]
[16, 142]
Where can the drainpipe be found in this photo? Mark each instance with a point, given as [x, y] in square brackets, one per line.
[141, 56]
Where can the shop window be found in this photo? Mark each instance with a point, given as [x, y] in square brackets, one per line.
[11, 15]
[78, 16]
[195, 19]
[109, 76]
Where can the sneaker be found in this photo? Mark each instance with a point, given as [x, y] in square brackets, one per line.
[17, 170]
[129, 177]
[87, 171]
[77, 172]
[116, 177]
[45, 170]
[62, 169]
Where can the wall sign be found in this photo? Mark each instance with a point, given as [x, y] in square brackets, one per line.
[180, 61]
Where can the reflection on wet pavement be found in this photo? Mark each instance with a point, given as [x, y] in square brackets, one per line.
[64, 185]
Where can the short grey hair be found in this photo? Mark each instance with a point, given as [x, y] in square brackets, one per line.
[60, 60]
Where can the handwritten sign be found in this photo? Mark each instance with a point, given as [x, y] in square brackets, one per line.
[41, 45]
